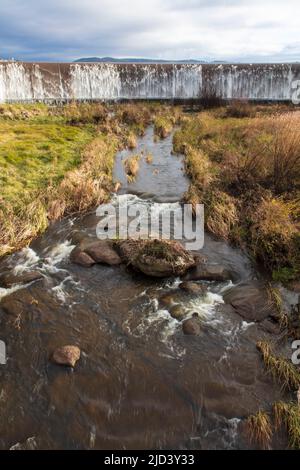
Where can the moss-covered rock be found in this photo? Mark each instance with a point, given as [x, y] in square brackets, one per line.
[156, 258]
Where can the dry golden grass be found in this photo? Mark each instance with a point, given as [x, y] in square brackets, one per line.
[259, 429]
[84, 113]
[90, 183]
[136, 116]
[288, 415]
[163, 126]
[222, 214]
[240, 109]
[272, 231]
[19, 225]
[253, 163]
[199, 168]
[285, 151]
[131, 141]
[280, 368]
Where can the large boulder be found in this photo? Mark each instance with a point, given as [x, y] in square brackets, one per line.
[156, 258]
[9, 279]
[208, 272]
[66, 355]
[251, 300]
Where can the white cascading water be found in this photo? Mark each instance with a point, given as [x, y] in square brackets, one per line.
[104, 81]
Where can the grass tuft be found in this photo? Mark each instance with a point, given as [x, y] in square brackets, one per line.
[280, 368]
[131, 165]
[288, 415]
[259, 429]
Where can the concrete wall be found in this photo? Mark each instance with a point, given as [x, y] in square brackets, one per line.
[100, 81]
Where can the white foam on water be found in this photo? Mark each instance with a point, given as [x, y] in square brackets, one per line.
[205, 305]
[227, 286]
[61, 290]
[58, 253]
[4, 292]
[27, 259]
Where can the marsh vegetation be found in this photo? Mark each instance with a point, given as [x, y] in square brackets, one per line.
[244, 165]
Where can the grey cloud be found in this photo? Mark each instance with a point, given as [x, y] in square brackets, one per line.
[223, 29]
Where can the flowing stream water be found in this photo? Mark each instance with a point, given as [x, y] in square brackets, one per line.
[140, 383]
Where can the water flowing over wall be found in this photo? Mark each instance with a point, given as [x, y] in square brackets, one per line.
[20, 81]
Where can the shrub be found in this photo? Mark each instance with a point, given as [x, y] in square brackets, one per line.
[240, 109]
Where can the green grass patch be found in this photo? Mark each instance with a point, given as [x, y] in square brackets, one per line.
[33, 155]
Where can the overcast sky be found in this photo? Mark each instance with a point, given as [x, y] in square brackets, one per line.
[239, 30]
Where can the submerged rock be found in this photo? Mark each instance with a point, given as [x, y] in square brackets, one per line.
[9, 279]
[251, 300]
[192, 326]
[167, 300]
[208, 272]
[17, 303]
[193, 287]
[66, 355]
[178, 312]
[156, 258]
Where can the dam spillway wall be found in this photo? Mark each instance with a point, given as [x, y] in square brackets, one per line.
[24, 81]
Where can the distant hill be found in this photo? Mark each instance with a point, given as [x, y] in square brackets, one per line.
[138, 61]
